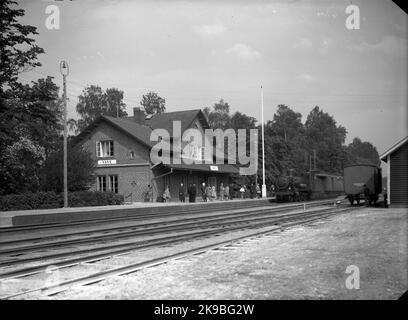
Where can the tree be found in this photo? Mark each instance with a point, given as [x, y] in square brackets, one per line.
[18, 49]
[41, 111]
[20, 164]
[220, 116]
[81, 168]
[153, 103]
[30, 131]
[324, 136]
[94, 102]
[114, 99]
[287, 123]
[362, 153]
[18, 53]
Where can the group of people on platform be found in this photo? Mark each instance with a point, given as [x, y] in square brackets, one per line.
[254, 191]
[191, 192]
[208, 192]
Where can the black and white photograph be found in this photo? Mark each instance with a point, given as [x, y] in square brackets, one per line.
[203, 155]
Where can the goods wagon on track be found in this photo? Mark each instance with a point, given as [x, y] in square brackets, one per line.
[356, 176]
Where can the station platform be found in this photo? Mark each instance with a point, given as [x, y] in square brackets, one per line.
[64, 215]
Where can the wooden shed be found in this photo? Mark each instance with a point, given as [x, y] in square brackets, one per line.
[397, 170]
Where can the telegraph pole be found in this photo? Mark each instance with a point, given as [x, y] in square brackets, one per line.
[263, 149]
[64, 71]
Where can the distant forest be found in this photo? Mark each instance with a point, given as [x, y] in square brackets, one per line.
[292, 146]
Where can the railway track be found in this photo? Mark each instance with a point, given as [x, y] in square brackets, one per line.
[197, 230]
[136, 217]
[130, 217]
[15, 251]
[11, 243]
[78, 257]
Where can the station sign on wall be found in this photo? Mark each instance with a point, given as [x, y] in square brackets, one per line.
[107, 162]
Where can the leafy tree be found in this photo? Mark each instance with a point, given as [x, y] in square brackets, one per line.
[153, 103]
[220, 116]
[81, 168]
[114, 99]
[362, 153]
[324, 136]
[41, 111]
[94, 102]
[20, 164]
[287, 123]
[30, 131]
[18, 49]
[242, 121]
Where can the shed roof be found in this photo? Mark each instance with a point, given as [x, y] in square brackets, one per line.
[395, 147]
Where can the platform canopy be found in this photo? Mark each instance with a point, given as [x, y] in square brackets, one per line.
[215, 168]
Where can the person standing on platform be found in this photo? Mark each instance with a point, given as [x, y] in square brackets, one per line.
[385, 197]
[208, 193]
[203, 194]
[182, 193]
[190, 192]
[366, 192]
[166, 195]
[213, 193]
[258, 191]
[242, 190]
[226, 192]
[252, 191]
[149, 194]
[222, 191]
[194, 192]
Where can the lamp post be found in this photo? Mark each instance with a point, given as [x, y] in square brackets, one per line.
[64, 71]
[263, 149]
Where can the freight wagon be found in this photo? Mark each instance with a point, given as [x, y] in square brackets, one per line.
[356, 176]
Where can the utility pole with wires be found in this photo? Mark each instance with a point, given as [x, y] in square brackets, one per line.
[64, 71]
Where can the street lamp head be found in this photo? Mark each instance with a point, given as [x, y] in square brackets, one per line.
[64, 68]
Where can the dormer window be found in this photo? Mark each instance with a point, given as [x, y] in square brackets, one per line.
[104, 148]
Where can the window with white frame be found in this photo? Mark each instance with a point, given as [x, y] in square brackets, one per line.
[101, 183]
[113, 183]
[202, 154]
[104, 148]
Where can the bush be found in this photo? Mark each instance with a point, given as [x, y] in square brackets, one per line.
[29, 200]
[94, 198]
[50, 200]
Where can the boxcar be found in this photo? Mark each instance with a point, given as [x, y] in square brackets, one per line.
[356, 176]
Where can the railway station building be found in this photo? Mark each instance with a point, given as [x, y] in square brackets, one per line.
[396, 159]
[121, 150]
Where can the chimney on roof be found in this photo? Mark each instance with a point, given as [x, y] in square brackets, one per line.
[138, 115]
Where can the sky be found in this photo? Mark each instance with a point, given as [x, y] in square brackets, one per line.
[194, 53]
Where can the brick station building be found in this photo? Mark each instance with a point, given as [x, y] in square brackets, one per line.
[121, 149]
